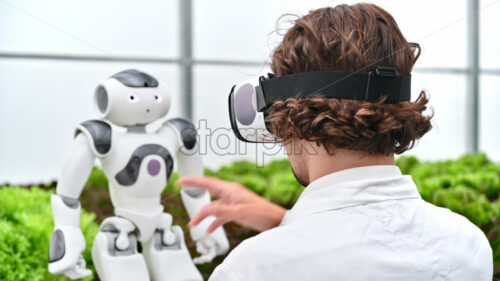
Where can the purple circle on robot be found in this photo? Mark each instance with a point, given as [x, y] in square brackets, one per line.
[154, 167]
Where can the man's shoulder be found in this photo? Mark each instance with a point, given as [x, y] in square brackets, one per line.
[453, 222]
[257, 257]
[466, 241]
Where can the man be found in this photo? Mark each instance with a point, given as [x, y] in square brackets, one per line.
[358, 218]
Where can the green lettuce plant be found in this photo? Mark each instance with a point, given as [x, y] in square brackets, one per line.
[25, 228]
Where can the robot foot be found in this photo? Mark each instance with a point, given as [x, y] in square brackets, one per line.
[115, 253]
[167, 256]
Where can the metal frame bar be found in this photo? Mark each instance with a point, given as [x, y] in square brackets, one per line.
[93, 58]
[186, 55]
[185, 59]
[160, 60]
[472, 94]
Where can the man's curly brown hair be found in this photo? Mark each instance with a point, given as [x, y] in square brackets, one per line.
[347, 38]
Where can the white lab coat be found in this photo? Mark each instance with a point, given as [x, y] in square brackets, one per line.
[363, 224]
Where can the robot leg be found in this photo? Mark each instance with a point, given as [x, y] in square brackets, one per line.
[115, 253]
[167, 255]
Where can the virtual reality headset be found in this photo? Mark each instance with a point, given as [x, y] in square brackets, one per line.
[249, 100]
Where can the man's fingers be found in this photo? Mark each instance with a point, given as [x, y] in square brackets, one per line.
[214, 185]
[215, 208]
[218, 222]
[201, 215]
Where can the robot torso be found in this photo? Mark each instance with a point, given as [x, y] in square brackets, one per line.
[138, 166]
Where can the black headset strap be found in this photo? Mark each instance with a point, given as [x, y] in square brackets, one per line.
[384, 81]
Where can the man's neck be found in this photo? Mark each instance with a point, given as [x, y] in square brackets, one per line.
[323, 164]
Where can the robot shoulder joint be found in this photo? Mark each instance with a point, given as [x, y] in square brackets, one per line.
[186, 130]
[99, 135]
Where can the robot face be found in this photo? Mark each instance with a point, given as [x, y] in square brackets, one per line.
[131, 98]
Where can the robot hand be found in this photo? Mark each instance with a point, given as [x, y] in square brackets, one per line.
[210, 246]
[66, 245]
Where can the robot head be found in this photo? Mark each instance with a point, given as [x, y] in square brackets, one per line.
[130, 98]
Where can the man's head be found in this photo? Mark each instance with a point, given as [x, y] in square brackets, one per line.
[345, 38]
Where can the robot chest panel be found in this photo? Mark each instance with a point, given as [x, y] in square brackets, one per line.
[139, 161]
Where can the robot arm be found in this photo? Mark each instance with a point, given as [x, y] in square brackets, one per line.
[189, 162]
[67, 241]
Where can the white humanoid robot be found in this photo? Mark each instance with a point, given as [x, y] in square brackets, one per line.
[138, 165]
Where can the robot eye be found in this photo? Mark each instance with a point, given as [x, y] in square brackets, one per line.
[133, 97]
[158, 98]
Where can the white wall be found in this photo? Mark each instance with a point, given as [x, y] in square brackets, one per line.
[245, 29]
[90, 27]
[41, 101]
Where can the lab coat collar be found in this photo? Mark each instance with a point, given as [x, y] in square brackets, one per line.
[353, 187]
